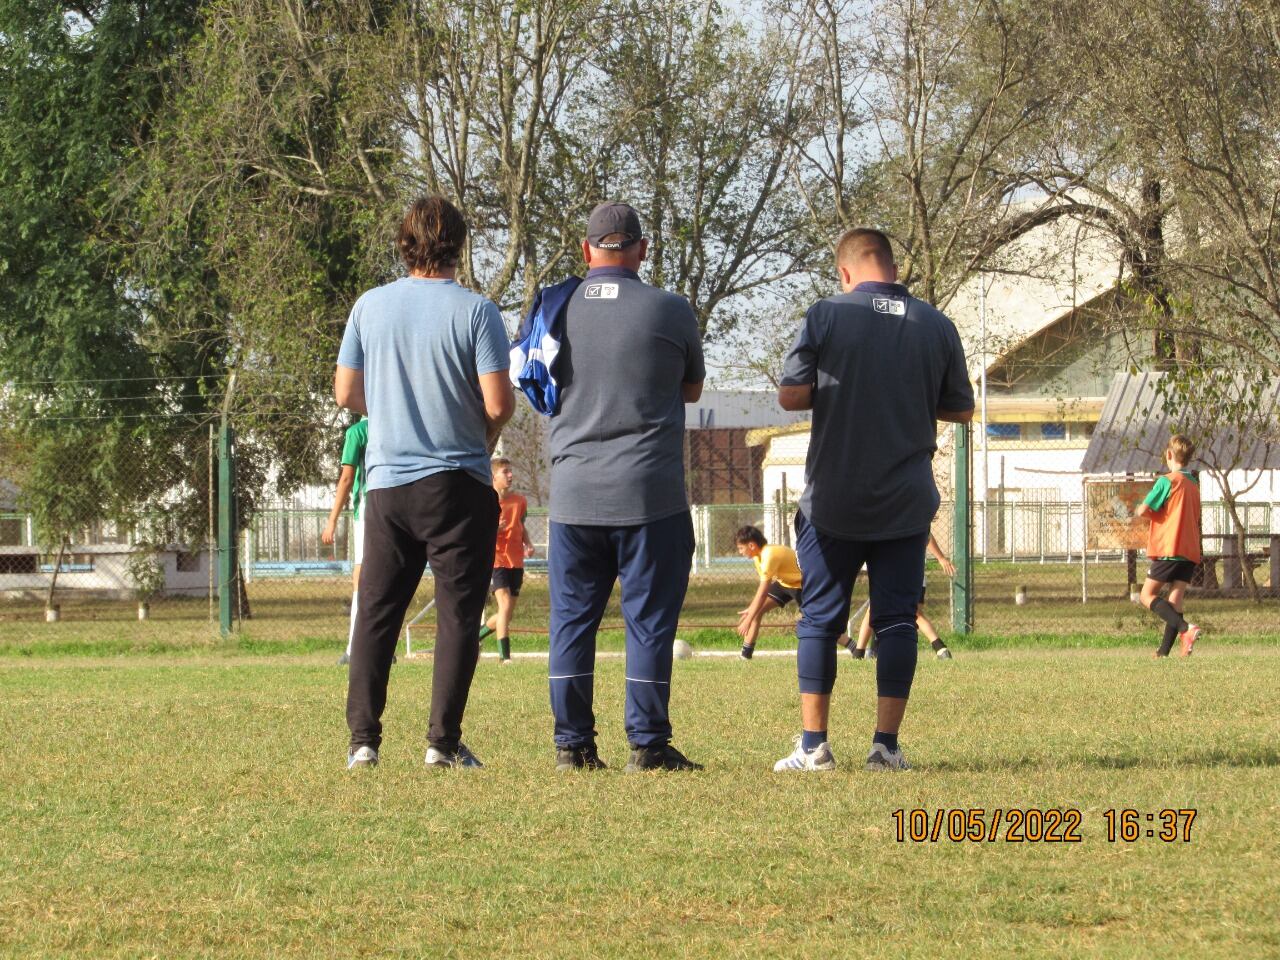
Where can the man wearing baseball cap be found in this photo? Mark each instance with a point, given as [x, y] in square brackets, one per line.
[630, 358]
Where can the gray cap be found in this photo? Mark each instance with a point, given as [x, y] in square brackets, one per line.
[608, 219]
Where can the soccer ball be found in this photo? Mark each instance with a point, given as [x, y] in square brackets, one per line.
[681, 649]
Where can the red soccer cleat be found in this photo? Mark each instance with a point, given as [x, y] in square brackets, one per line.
[1189, 637]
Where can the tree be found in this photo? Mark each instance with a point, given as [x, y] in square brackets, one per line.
[491, 117]
[709, 117]
[88, 407]
[257, 216]
[928, 109]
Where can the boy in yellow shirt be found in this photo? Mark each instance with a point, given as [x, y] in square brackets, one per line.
[780, 580]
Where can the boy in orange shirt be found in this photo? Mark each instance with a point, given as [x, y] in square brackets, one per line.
[1173, 545]
[509, 554]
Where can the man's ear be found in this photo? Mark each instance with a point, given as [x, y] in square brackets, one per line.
[846, 277]
[644, 249]
[586, 253]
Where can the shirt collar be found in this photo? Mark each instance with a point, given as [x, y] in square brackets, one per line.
[621, 272]
[884, 289]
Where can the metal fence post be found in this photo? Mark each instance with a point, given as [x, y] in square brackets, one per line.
[697, 539]
[1084, 550]
[706, 537]
[226, 528]
[962, 533]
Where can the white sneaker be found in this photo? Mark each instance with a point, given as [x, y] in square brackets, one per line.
[882, 758]
[362, 757]
[818, 759]
[460, 758]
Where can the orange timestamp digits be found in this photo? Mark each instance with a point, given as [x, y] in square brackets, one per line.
[1168, 825]
[979, 825]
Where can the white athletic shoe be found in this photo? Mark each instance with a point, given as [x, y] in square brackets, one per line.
[362, 757]
[882, 758]
[800, 760]
[459, 759]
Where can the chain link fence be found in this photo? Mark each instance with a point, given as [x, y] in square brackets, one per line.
[1036, 570]
[1056, 553]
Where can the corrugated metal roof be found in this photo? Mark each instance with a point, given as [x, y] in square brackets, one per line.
[1135, 427]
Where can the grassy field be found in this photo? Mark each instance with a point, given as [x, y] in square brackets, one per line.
[197, 806]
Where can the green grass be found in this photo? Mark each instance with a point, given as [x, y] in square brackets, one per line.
[196, 806]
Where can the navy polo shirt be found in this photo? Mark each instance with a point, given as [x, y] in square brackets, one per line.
[882, 363]
[617, 444]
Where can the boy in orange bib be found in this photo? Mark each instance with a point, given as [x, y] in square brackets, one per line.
[1173, 545]
[512, 548]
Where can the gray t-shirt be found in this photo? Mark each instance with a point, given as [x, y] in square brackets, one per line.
[883, 364]
[617, 444]
[423, 345]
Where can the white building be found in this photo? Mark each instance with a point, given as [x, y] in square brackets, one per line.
[99, 569]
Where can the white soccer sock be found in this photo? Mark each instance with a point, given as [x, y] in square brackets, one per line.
[351, 633]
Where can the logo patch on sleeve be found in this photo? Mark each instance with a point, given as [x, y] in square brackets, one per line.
[885, 305]
[602, 291]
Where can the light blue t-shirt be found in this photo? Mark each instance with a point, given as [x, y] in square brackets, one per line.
[423, 345]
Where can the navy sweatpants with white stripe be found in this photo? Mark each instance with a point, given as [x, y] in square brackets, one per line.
[652, 560]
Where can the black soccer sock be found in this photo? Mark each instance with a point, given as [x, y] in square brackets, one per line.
[859, 653]
[890, 740]
[937, 644]
[747, 650]
[504, 648]
[1163, 609]
[1170, 635]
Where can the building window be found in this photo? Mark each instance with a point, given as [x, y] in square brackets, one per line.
[1004, 431]
[187, 562]
[71, 563]
[18, 563]
[1053, 431]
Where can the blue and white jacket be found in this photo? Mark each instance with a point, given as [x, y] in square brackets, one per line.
[537, 346]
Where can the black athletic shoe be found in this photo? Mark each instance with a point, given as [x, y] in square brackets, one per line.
[579, 758]
[665, 757]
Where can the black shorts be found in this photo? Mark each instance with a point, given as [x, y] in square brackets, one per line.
[782, 595]
[508, 578]
[923, 591]
[1167, 571]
